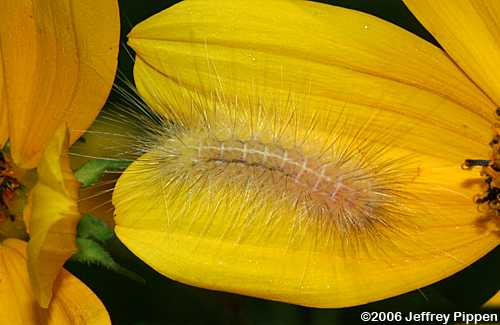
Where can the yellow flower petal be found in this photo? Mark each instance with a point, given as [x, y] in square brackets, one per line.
[469, 31]
[54, 217]
[3, 124]
[494, 301]
[73, 302]
[248, 70]
[343, 61]
[4, 127]
[59, 60]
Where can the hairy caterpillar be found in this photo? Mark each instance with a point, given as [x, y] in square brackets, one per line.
[341, 183]
[307, 194]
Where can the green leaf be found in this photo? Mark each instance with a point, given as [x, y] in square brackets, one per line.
[91, 239]
[92, 171]
[91, 252]
[93, 228]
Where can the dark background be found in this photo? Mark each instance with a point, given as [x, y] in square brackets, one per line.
[163, 301]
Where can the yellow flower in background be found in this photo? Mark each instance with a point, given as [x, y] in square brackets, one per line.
[58, 60]
[260, 91]
[469, 33]
[494, 301]
[73, 302]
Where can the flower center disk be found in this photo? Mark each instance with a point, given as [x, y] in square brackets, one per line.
[12, 201]
[8, 187]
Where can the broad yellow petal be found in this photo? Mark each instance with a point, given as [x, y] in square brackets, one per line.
[53, 218]
[4, 127]
[469, 31]
[3, 124]
[265, 100]
[59, 60]
[73, 302]
[343, 61]
[494, 301]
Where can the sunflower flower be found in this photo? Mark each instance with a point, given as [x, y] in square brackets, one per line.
[58, 60]
[244, 199]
